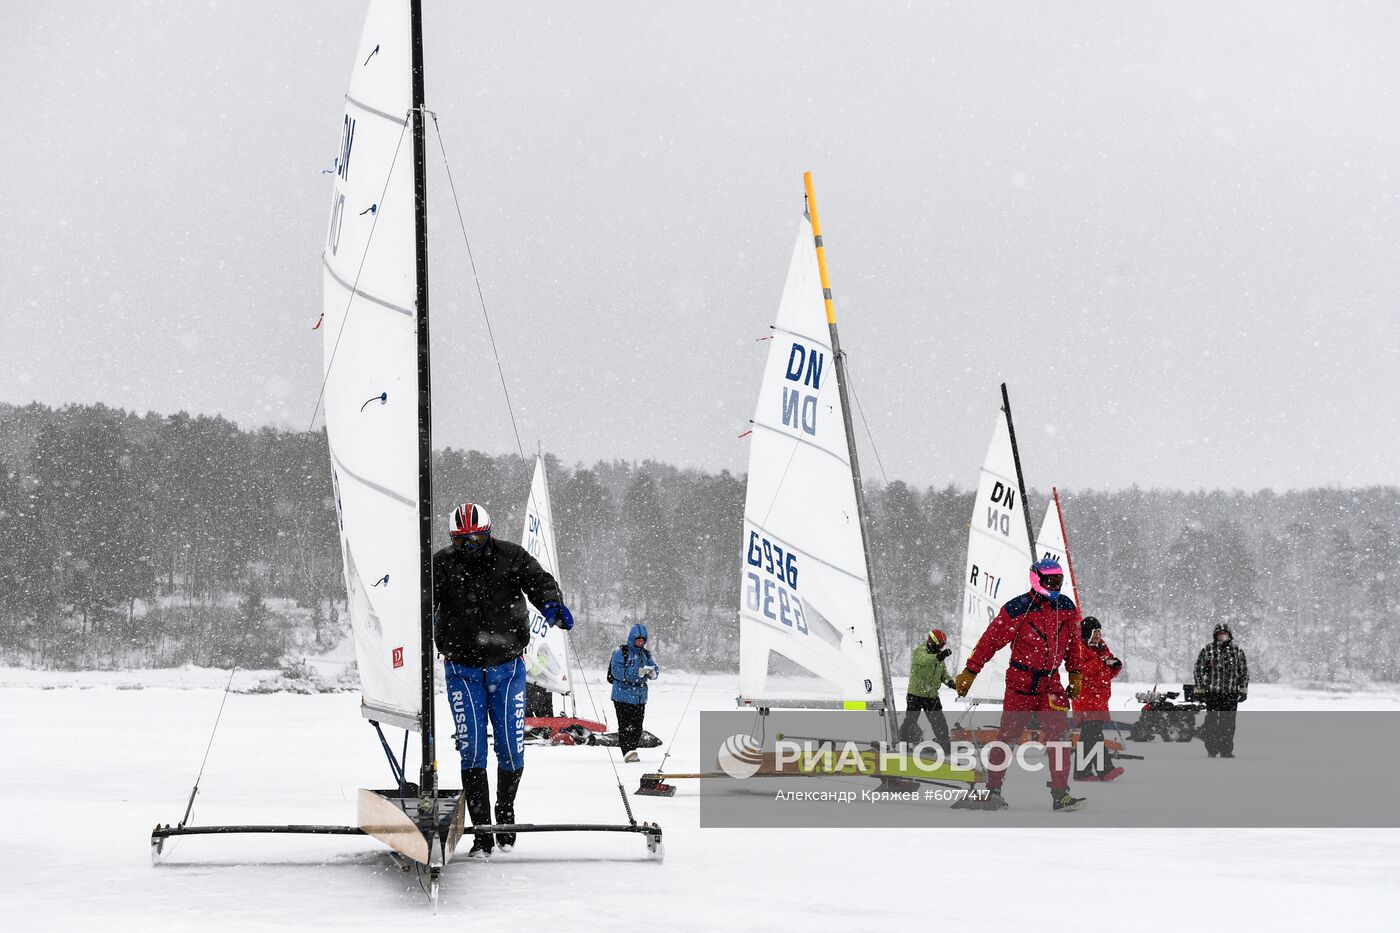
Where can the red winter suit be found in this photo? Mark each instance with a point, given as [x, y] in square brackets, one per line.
[1043, 634]
[1099, 671]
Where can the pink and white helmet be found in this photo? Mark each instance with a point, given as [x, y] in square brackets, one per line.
[1046, 567]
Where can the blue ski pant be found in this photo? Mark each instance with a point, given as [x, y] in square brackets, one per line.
[498, 692]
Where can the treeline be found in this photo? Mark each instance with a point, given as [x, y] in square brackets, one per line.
[158, 540]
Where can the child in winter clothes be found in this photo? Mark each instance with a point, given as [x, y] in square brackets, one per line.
[632, 666]
[1091, 705]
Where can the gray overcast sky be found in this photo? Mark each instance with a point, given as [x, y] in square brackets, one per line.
[1172, 227]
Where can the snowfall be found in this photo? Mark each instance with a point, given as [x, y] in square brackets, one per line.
[95, 760]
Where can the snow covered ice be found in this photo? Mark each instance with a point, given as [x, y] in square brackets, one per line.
[95, 760]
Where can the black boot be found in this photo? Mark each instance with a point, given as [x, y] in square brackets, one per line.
[1061, 801]
[478, 794]
[507, 783]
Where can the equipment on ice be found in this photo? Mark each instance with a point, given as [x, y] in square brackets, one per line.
[547, 658]
[378, 410]
[805, 572]
[547, 655]
[1163, 716]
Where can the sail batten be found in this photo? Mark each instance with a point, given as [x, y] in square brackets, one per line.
[782, 433]
[384, 490]
[366, 108]
[818, 341]
[359, 292]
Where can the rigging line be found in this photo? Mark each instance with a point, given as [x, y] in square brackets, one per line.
[477, 278]
[781, 479]
[880, 463]
[626, 805]
[195, 790]
[354, 288]
[684, 710]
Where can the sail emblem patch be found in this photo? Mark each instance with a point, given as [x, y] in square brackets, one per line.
[398, 657]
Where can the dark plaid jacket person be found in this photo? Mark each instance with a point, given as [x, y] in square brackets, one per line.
[1221, 667]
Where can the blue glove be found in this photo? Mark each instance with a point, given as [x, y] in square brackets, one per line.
[556, 613]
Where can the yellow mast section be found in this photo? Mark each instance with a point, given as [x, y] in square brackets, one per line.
[821, 250]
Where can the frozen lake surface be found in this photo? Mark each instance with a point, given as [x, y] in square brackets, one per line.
[95, 760]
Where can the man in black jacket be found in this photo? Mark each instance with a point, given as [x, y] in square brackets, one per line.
[1222, 681]
[482, 626]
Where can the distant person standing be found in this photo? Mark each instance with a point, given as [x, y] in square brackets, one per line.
[1091, 705]
[927, 673]
[1222, 682]
[631, 667]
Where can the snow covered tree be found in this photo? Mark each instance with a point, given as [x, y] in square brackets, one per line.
[653, 586]
[585, 521]
[902, 551]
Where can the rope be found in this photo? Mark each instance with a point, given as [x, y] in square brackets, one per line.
[355, 286]
[679, 721]
[588, 691]
[477, 278]
[195, 790]
[870, 437]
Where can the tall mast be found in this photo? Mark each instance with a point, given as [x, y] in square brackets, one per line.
[427, 779]
[1020, 479]
[841, 381]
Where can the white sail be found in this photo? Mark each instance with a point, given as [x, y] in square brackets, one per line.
[804, 591]
[370, 366]
[546, 657]
[998, 556]
[1051, 542]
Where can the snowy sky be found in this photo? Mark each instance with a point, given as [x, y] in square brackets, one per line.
[1172, 228]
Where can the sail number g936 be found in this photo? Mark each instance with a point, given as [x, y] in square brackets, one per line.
[771, 587]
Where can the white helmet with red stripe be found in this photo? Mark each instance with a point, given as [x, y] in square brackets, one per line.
[468, 519]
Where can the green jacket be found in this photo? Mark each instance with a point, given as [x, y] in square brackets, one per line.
[927, 673]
